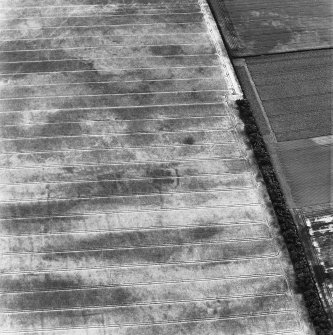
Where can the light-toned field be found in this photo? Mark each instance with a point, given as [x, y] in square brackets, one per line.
[129, 201]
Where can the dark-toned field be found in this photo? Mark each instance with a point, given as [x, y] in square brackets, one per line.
[307, 166]
[252, 27]
[296, 92]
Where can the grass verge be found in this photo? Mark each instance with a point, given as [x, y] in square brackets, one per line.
[305, 283]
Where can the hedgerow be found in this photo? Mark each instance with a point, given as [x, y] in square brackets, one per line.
[305, 283]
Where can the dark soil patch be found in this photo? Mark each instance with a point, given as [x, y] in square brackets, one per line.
[189, 140]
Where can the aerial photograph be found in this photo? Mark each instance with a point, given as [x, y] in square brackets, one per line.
[166, 167]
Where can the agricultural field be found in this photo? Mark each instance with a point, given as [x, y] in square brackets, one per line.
[296, 91]
[300, 162]
[252, 27]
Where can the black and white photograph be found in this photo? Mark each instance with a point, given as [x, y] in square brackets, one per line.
[166, 167]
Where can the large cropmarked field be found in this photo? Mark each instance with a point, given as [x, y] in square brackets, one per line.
[129, 201]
